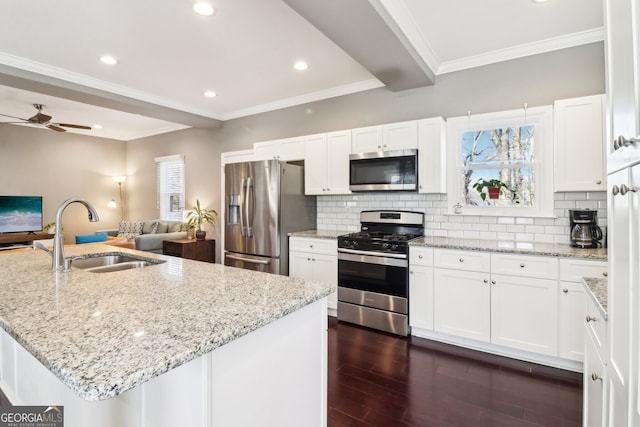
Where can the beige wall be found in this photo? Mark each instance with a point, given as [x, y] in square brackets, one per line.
[59, 166]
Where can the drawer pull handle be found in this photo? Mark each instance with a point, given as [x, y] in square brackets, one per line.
[605, 274]
[565, 290]
[598, 182]
[419, 256]
[590, 318]
[522, 265]
[461, 260]
[493, 282]
[595, 377]
[485, 281]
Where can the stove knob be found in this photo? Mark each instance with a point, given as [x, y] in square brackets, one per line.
[394, 247]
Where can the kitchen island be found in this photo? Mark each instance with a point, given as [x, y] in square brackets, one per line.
[177, 343]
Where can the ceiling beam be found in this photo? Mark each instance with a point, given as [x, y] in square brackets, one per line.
[370, 36]
[34, 82]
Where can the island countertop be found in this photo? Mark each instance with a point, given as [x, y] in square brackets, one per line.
[102, 334]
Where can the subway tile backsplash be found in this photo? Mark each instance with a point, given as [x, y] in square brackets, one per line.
[342, 213]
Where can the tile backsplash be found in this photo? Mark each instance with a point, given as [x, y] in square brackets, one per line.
[342, 213]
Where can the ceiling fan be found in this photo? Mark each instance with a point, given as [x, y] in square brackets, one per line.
[45, 120]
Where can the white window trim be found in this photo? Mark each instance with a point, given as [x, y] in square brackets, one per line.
[165, 159]
[542, 117]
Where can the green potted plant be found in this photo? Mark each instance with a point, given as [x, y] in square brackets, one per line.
[198, 216]
[50, 228]
[493, 186]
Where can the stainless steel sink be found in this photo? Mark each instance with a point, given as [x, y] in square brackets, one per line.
[108, 263]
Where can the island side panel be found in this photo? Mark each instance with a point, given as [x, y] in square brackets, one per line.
[284, 384]
[274, 376]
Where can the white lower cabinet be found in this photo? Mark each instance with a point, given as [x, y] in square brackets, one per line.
[595, 372]
[315, 259]
[421, 288]
[518, 310]
[572, 304]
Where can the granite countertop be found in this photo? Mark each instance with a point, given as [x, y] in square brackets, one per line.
[531, 248]
[319, 234]
[104, 333]
[597, 291]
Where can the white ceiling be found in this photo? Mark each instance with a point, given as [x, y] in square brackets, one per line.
[168, 55]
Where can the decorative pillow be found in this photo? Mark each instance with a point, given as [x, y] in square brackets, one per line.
[175, 227]
[130, 229]
[149, 226]
[163, 227]
[90, 238]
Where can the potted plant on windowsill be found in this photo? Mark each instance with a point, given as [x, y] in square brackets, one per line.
[50, 228]
[493, 186]
[198, 216]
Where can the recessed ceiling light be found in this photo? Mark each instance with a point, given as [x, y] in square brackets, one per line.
[210, 94]
[108, 59]
[204, 8]
[301, 65]
[539, 1]
[97, 126]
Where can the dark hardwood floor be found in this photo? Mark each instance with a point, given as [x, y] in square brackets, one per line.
[377, 379]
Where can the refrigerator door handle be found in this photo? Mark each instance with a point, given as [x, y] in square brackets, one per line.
[250, 208]
[243, 186]
[249, 260]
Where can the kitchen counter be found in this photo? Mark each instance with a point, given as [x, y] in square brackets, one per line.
[319, 234]
[529, 248]
[597, 290]
[104, 334]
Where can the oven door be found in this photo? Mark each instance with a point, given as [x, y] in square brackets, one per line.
[373, 281]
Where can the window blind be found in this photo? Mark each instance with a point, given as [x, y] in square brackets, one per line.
[170, 187]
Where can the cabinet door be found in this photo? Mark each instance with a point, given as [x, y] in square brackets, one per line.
[573, 310]
[619, 297]
[432, 161]
[400, 136]
[316, 164]
[337, 163]
[579, 144]
[622, 22]
[524, 313]
[291, 149]
[462, 303]
[265, 150]
[421, 297]
[593, 386]
[366, 140]
[300, 265]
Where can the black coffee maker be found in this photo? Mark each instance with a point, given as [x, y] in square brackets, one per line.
[585, 232]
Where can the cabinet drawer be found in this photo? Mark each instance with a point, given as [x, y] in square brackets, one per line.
[526, 266]
[173, 249]
[462, 260]
[420, 256]
[318, 246]
[573, 270]
[596, 326]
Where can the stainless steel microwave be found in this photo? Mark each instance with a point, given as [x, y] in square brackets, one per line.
[384, 171]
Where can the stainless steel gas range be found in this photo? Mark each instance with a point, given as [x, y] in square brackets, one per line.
[373, 270]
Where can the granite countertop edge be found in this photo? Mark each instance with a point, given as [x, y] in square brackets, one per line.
[74, 377]
[596, 289]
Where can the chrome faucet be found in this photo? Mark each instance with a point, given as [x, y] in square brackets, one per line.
[58, 240]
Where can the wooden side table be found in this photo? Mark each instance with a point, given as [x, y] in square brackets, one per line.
[199, 250]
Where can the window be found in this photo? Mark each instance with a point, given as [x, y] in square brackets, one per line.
[501, 163]
[170, 187]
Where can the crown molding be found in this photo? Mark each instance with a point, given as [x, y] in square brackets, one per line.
[535, 48]
[304, 99]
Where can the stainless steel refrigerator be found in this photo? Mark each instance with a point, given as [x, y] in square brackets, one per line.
[265, 201]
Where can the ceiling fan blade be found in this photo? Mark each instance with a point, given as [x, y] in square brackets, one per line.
[67, 125]
[14, 117]
[56, 128]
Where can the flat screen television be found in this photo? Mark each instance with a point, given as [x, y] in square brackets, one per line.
[20, 214]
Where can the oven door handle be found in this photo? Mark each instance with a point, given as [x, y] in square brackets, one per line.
[373, 253]
[357, 256]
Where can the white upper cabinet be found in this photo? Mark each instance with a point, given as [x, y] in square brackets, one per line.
[432, 157]
[327, 163]
[580, 144]
[279, 149]
[393, 136]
